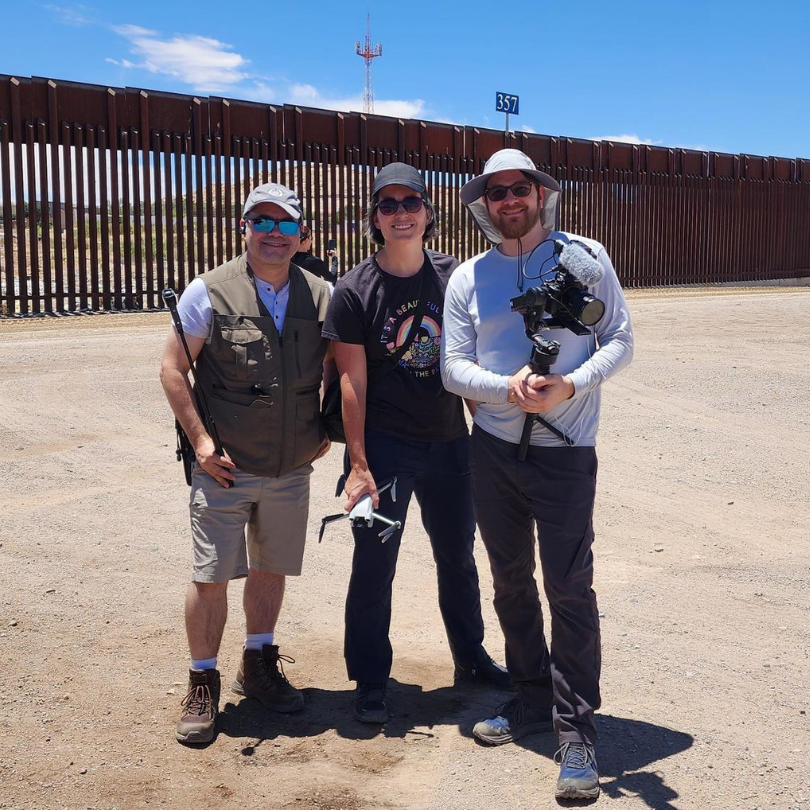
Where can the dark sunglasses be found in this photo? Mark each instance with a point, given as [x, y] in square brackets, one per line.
[288, 227]
[411, 205]
[520, 189]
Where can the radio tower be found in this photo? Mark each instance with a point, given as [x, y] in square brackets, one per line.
[368, 53]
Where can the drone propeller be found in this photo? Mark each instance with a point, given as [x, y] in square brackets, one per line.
[363, 512]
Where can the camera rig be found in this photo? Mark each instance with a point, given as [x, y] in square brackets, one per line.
[560, 302]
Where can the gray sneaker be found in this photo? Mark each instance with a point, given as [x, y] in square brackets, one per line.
[513, 720]
[579, 778]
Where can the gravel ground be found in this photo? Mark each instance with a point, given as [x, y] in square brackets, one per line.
[702, 574]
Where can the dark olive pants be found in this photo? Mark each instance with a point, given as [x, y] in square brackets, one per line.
[552, 490]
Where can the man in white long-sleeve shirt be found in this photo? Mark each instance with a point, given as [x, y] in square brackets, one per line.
[484, 358]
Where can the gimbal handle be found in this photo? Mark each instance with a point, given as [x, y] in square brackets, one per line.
[531, 418]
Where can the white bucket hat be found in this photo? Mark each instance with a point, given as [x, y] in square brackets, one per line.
[472, 194]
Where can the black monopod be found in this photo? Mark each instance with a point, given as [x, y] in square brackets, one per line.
[185, 452]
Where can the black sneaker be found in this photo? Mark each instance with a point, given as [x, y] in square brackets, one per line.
[513, 720]
[579, 778]
[369, 703]
[485, 673]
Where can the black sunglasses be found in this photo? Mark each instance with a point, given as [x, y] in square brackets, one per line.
[389, 207]
[520, 189]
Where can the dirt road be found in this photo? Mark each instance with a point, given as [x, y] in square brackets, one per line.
[702, 575]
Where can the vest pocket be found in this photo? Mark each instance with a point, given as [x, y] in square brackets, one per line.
[245, 343]
[264, 400]
[250, 429]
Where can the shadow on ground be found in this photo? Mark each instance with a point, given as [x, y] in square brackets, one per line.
[626, 751]
[627, 748]
[414, 711]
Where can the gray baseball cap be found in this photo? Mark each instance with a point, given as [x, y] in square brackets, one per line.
[274, 193]
[399, 174]
[472, 193]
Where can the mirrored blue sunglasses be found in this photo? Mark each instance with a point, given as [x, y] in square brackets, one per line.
[287, 227]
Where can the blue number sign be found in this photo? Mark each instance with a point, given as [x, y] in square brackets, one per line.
[506, 103]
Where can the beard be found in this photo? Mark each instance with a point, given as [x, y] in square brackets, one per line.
[516, 228]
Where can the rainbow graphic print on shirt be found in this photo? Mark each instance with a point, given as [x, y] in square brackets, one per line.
[422, 358]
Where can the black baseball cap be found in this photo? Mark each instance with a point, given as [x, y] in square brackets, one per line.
[399, 174]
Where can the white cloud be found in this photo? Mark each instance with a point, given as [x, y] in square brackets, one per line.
[400, 109]
[211, 66]
[701, 147]
[75, 16]
[526, 128]
[626, 139]
[308, 96]
[208, 65]
[649, 142]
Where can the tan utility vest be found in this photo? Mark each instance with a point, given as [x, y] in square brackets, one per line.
[262, 388]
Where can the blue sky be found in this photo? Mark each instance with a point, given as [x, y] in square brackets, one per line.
[726, 76]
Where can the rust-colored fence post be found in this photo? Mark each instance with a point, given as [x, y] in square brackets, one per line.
[108, 194]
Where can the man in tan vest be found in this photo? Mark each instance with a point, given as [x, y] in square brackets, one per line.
[253, 328]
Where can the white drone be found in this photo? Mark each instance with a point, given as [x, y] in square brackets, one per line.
[363, 510]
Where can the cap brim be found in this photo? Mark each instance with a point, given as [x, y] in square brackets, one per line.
[421, 188]
[291, 210]
[474, 190]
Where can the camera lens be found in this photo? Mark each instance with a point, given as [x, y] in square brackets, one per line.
[592, 312]
[583, 306]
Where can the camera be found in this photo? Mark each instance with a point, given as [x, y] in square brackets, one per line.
[560, 302]
[563, 301]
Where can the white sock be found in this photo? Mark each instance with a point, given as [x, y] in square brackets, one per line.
[199, 664]
[255, 641]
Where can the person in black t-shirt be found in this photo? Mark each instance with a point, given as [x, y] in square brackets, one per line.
[405, 424]
[307, 261]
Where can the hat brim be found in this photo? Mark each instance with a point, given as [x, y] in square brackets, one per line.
[475, 188]
[291, 210]
[413, 186]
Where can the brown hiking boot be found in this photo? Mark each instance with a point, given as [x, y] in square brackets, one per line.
[261, 676]
[200, 707]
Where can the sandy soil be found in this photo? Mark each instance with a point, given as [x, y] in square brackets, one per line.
[702, 575]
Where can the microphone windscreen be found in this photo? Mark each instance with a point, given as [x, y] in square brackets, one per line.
[580, 264]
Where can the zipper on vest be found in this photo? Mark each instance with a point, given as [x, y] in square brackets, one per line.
[297, 358]
[281, 387]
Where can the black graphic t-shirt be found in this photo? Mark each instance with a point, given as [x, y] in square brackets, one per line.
[375, 309]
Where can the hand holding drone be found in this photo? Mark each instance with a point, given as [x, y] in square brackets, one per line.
[363, 510]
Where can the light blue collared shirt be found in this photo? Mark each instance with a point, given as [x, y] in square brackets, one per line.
[196, 314]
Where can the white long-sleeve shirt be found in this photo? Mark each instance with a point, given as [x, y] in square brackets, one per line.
[484, 343]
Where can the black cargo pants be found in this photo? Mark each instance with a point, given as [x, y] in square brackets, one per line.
[553, 489]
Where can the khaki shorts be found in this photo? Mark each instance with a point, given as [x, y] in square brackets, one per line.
[273, 510]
